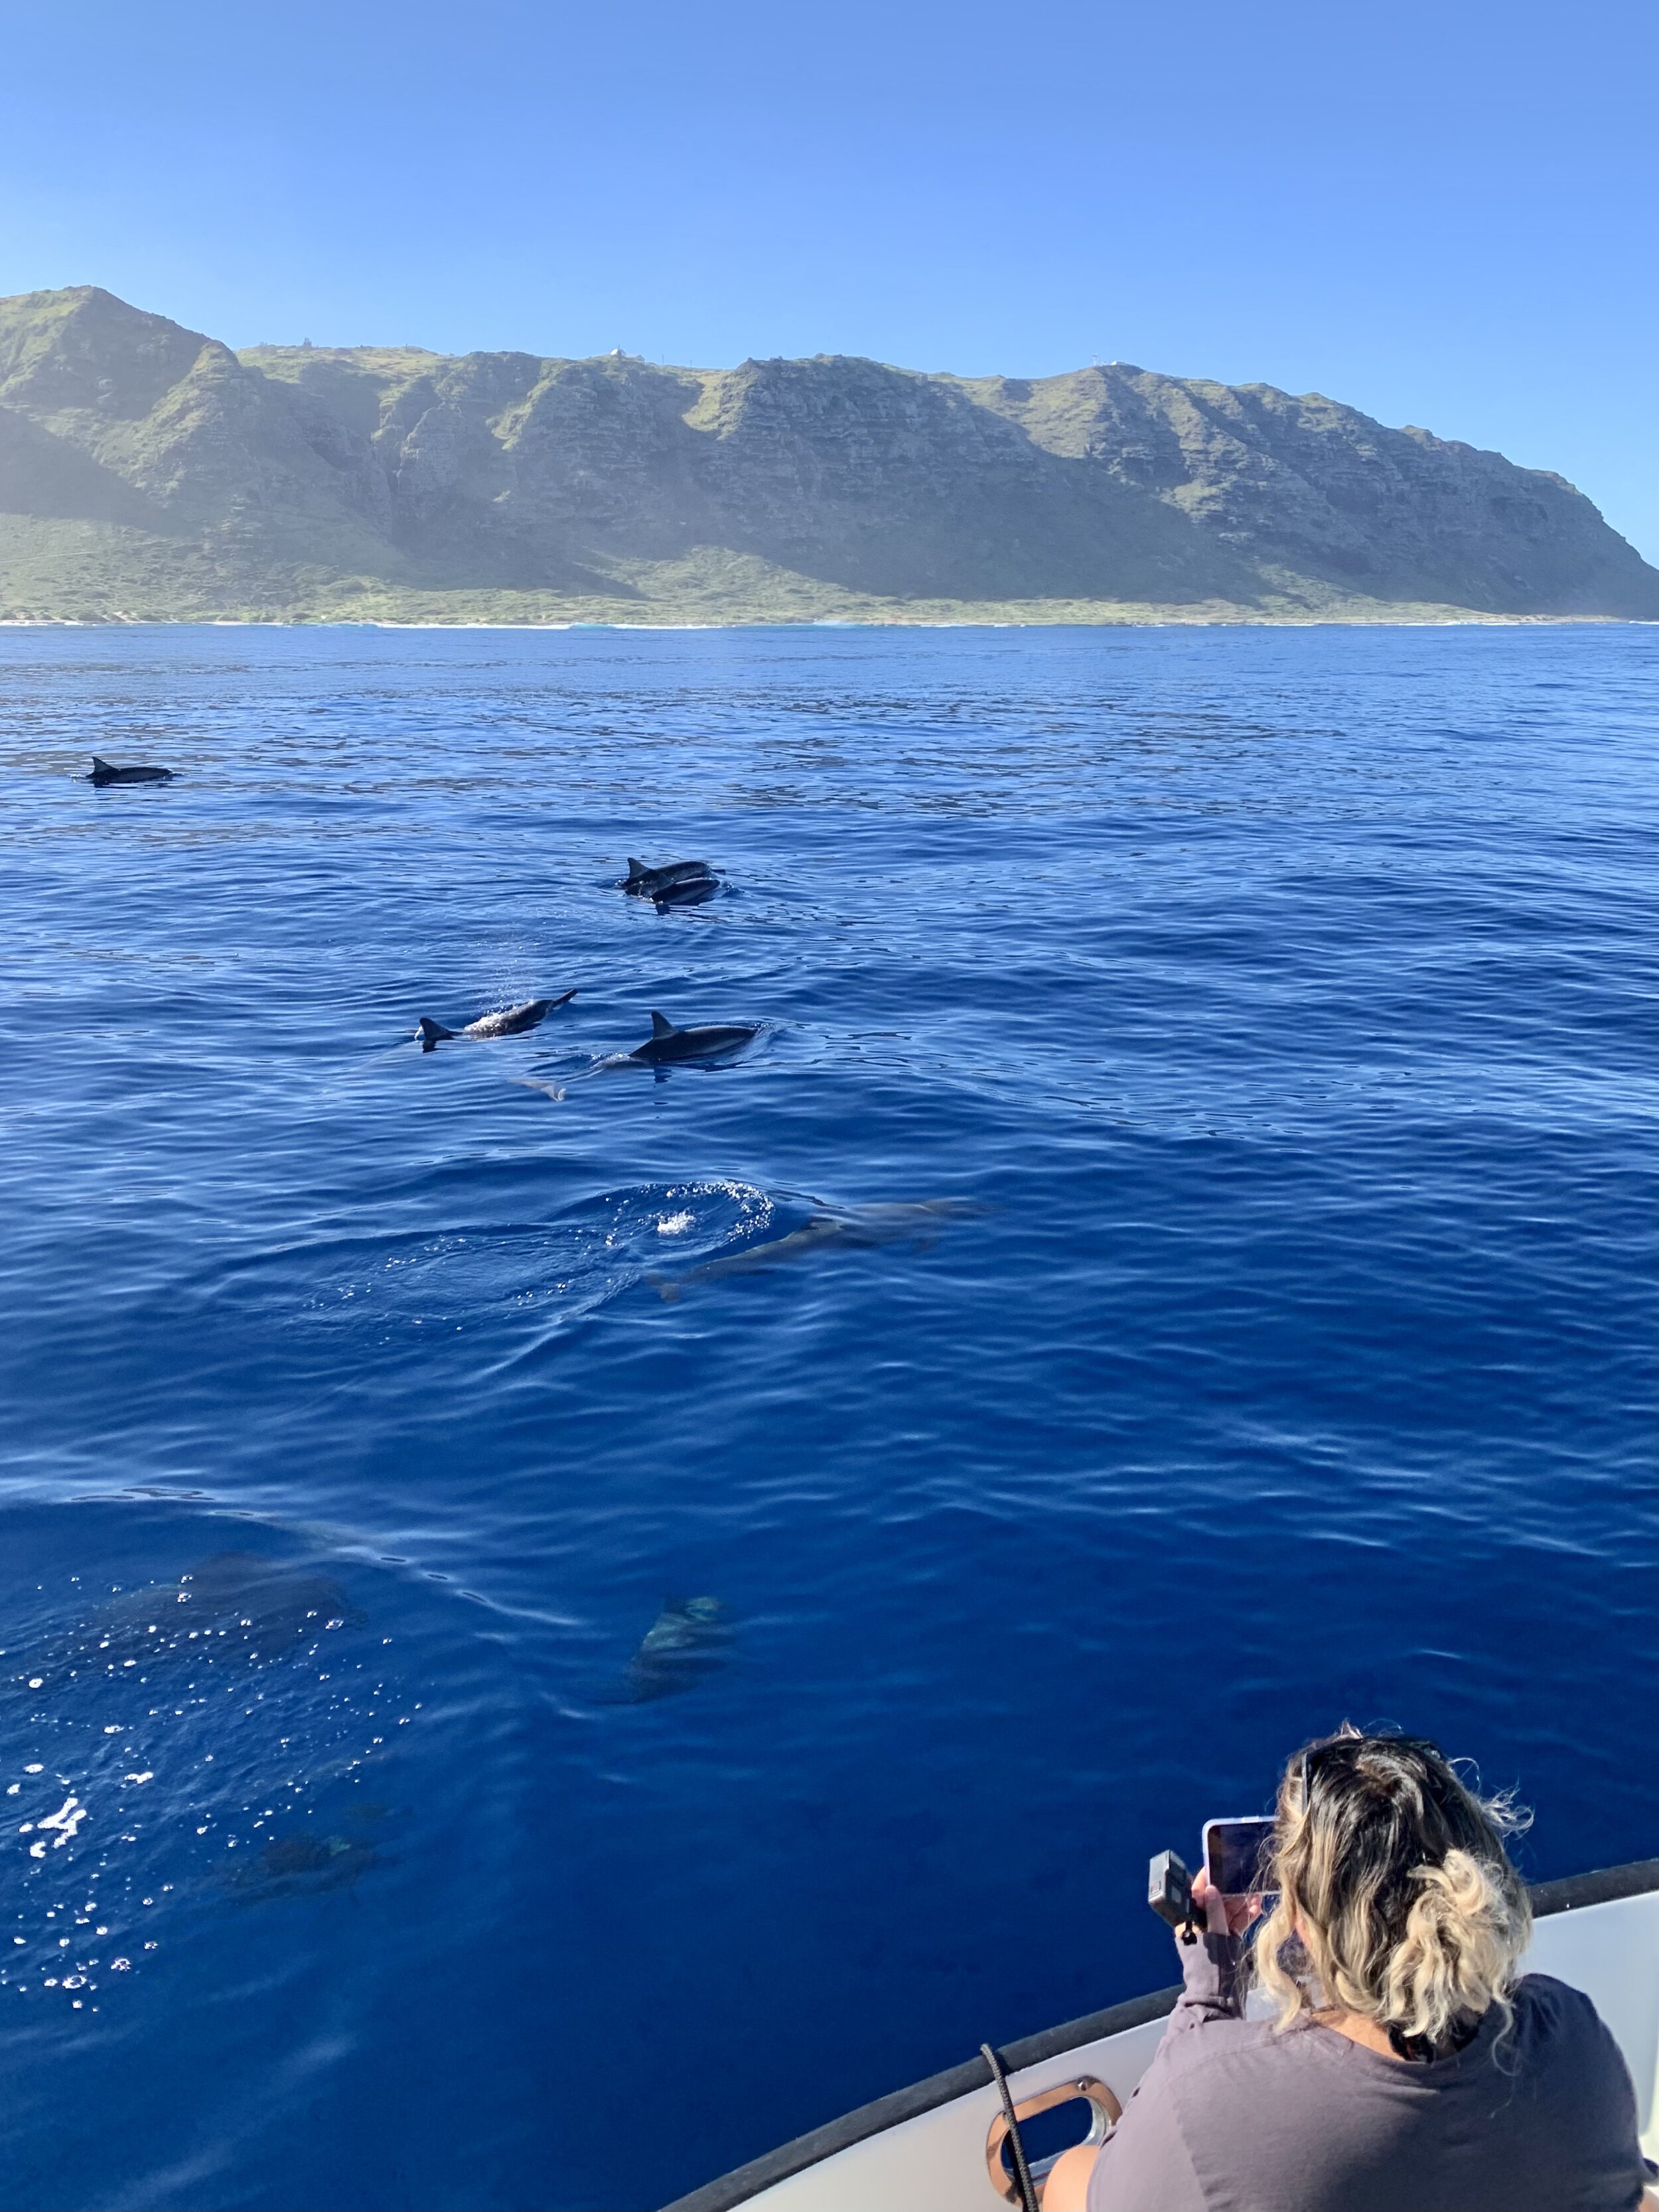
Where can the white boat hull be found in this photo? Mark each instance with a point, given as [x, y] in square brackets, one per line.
[933, 2159]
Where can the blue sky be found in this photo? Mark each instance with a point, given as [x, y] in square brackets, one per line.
[1443, 214]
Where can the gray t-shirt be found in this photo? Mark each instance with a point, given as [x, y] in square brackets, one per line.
[1232, 2116]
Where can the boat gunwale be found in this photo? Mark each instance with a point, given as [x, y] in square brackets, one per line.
[1602, 1885]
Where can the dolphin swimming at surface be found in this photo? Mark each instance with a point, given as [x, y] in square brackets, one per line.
[510, 1021]
[915, 1222]
[666, 1043]
[656, 883]
[690, 890]
[103, 772]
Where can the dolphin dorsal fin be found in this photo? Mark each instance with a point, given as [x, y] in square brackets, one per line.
[635, 869]
[98, 763]
[661, 1026]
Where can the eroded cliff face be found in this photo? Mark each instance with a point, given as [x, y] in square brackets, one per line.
[1325, 491]
[507, 473]
[163, 429]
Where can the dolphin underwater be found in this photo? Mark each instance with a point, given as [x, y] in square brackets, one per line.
[300, 1864]
[235, 1608]
[510, 1021]
[916, 1223]
[104, 772]
[682, 1646]
[266, 1596]
[671, 883]
[666, 1043]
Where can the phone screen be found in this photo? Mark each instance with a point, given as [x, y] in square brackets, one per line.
[1233, 1855]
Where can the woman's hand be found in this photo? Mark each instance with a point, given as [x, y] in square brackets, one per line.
[1223, 1916]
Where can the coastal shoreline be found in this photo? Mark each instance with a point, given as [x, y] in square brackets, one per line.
[1463, 618]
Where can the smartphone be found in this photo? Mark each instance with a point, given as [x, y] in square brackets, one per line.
[1232, 1858]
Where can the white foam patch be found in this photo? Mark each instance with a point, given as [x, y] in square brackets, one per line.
[66, 1820]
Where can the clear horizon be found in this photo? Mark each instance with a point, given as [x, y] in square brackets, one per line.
[1434, 220]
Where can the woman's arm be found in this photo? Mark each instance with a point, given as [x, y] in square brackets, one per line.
[1153, 2152]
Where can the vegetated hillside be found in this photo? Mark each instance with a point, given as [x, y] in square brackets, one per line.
[147, 472]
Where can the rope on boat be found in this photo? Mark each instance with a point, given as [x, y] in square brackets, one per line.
[1027, 2196]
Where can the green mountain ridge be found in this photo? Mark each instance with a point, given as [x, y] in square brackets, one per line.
[147, 472]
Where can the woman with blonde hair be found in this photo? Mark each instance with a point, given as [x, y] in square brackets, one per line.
[1408, 2067]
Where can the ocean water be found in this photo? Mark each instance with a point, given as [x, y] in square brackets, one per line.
[1281, 1010]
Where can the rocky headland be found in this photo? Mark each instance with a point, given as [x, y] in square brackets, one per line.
[147, 472]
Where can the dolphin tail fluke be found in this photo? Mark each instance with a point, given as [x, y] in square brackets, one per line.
[563, 999]
[666, 1288]
[661, 1026]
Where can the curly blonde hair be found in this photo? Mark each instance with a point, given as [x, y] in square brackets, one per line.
[1397, 1900]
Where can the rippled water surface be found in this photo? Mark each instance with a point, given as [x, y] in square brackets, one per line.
[392, 1826]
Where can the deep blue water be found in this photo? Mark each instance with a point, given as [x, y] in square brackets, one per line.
[1285, 1002]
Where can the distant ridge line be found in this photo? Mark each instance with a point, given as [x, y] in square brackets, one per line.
[149, 472]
